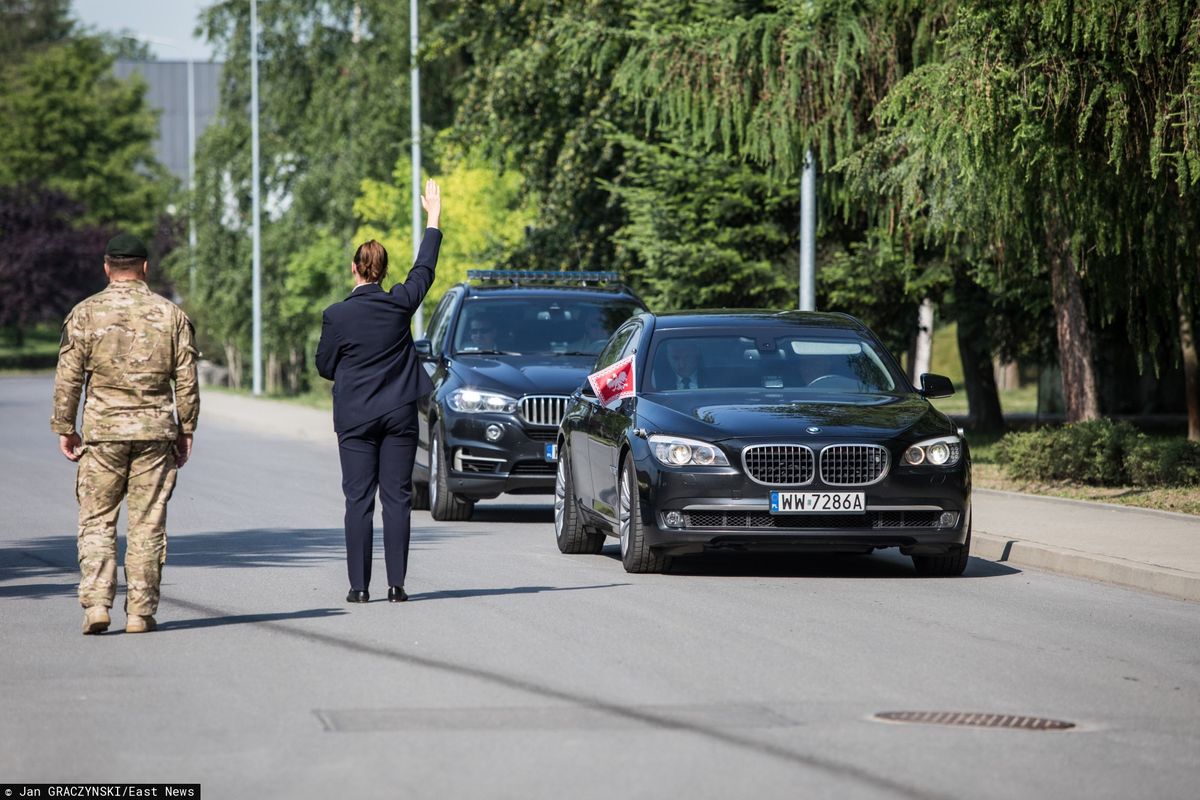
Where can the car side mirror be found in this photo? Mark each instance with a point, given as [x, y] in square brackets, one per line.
[424, 348]
[935, 386]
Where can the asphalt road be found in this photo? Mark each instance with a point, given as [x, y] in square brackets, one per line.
[518, 672]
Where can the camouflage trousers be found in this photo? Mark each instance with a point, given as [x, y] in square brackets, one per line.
[109, 472]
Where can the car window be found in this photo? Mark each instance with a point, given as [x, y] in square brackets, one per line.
[440, 321]
[614, 351]
[774, 360]
[540, 325]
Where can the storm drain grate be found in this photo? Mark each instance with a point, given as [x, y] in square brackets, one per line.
[976, 720]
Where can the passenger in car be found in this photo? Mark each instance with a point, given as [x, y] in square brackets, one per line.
[684, 367]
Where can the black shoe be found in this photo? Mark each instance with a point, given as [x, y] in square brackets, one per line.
[356, 596]
[396, 594]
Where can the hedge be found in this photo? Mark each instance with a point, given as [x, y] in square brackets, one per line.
[1099, 453]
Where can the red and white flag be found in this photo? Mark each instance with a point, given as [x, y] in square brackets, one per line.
[615, 382]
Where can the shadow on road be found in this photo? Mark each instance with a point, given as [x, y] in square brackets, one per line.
[242, 619]
[812, 565]
[255, 547]
[38, 590]
[511, 513]
[451, 594]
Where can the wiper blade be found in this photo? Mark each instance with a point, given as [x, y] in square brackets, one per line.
[488, 353]
[573, 353]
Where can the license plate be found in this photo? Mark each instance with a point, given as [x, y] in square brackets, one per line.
[818, 503]
[552, 452]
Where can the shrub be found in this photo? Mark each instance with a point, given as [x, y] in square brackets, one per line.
[1085, 452]
[1163, 462]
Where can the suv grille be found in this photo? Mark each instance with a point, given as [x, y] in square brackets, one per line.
[779, 464]
[853, 464]
[543, 409]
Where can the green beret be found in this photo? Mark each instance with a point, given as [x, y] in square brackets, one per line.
[126, 245]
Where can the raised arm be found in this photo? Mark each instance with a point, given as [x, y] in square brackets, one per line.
[412, 291]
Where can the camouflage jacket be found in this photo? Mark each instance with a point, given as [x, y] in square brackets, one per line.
[128, 344]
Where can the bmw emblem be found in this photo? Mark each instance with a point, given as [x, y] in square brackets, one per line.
[812, 429]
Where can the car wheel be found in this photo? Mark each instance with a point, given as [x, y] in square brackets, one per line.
[443, 503]
[948, 565]
[636, 555]
[569, 530]
[420, 496]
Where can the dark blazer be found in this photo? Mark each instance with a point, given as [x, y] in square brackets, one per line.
[366, 346]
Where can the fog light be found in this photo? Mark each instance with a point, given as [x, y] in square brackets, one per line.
[947, 519]
[674, 519]
[493, 432]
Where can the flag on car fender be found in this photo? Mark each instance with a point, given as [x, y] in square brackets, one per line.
[613, 383]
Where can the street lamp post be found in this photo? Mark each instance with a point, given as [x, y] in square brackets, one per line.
[808, 229]
[415, 81]
[256, 278]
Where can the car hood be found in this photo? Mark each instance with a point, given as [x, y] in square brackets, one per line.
[718, 417]
[523, 375]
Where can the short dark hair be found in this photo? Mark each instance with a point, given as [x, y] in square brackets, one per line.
[124, 263]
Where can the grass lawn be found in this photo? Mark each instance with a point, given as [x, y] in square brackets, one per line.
[987, 474]
[319, 397]
[37, 354]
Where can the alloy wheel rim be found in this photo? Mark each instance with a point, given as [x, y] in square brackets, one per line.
[433, 472]
[560, 497]
[624, 511]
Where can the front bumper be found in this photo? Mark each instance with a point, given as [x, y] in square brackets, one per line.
[922, 511]
[515, 463]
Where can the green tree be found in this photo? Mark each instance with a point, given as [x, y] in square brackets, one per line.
[486, 212]
[71, 125]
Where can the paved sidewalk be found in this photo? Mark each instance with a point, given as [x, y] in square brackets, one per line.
[1155, 551]
[1158, 551]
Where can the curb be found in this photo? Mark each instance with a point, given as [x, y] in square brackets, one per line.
[1046, 498]
[1146, 577]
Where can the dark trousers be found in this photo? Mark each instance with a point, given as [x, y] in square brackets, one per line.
[378, 454]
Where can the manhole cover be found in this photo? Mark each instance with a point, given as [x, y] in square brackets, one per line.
[1014, 721]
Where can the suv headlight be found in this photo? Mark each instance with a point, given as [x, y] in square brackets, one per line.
[473, 401]
[943, 452]
[675, 451]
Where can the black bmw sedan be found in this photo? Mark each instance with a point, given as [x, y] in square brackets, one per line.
[793, 431]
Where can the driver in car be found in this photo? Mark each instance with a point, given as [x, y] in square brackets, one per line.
[481, 334]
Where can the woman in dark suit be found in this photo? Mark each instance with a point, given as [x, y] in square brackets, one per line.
[366, 349]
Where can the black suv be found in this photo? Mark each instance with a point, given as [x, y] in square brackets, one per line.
[505, 351]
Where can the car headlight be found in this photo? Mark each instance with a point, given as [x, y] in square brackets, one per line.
[474, 401]
[675, 451]
[943, 452]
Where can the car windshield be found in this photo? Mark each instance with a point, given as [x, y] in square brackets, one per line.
[802, 362]
[540, 325]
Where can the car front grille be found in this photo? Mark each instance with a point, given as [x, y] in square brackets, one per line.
[763, 519]
[543, 409]
[779, 464]
[534, 468]
[542, 434]
[853, 464]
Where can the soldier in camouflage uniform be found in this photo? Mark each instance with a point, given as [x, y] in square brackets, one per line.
[128, 344]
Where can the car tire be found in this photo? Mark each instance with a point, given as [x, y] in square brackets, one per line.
[949, 565]
[636, 554]
[444, 505]
[569, 531]
[420, 496]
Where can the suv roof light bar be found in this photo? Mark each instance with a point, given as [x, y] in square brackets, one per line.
[518, 276]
